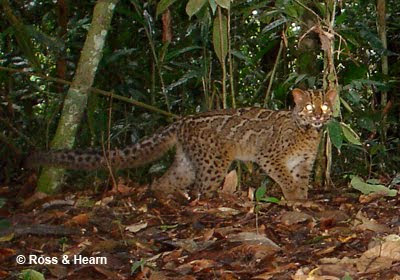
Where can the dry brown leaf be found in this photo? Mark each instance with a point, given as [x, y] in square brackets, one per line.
[196, 266]
[230, 183]
[108, 273]
[368, 198]
[253, 238]
[81, 219]
[3, 274]
[252, 252]
[379, 257]
[294, 217]
[6, 253]
[77, 249]
[123, 189]
[105, 201]
[57, 270]
[37, 197]
[208, 234]
[136, 227]
[363, 223]
[305, 274]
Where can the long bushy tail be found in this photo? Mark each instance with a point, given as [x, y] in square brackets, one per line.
[145, 151]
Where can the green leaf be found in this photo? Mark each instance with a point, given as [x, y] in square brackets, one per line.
[260, 192]
[274, 24]
[367, 123]
[346, 105]
[220, 23]
[137, 264]
[350, 135]
[240, 56]
[175, 53]
[30, 274]
[347, 277]
[186, 77]
[193, 6]
[213, 6]
[4, 224]
[358, 184]
[163, 5]
[167, 227]
[2, 202]
[335, 134]
[300, 78]
[224, 3]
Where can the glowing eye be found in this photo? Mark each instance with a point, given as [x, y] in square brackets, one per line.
[309, 107]
[324, 107]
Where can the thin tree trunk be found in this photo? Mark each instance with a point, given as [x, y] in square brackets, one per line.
[61, 64]
[381, 10]
[75, 102]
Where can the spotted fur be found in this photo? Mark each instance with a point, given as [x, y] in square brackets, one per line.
[283, 143]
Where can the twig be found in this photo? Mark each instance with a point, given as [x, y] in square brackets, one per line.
[221, 46]
[17, 131]
[308, 9]
[109, 144]
[230, 60]
[271, 79]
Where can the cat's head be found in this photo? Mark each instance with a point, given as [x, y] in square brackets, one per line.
[313, 107]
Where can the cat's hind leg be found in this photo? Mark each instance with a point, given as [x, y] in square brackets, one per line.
[178, 178]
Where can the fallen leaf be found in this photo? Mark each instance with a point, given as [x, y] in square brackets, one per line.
[229, 211]
[196, 266]
[293, 217]
[252, 238]
[37, 197]
[57, 270]
[81, 219]
[363, 223]
[231, 182]
[7, 237]
[105, 201]
[6, 253]
[379, 257]
[136, 227]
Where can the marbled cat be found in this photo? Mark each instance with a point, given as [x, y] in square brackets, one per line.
[283, 143]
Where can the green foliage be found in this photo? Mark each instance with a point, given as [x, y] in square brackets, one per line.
[138, 264]
[193, 6]
[31, 274]
[367, 188]
[163, 5]
[220, 37]
[2, 202]
[260, 195]
[335, 133]
[4, 224]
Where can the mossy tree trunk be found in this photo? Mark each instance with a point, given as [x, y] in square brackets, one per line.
[75, 102]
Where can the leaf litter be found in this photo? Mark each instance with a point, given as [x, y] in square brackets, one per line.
[332, 236]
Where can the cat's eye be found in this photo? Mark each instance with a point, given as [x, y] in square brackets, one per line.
[309, 107]
[324, 107]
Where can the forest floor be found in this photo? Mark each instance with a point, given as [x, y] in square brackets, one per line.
[125, 233]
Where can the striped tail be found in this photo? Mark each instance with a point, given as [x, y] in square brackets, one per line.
[145, 151]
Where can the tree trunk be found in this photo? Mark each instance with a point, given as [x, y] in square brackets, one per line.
[75, 102]
[381, 13]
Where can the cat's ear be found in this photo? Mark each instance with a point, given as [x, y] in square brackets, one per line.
[299, 96]
[330, 96]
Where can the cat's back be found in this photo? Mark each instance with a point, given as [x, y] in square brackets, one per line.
[233, 124]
